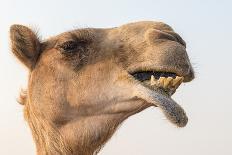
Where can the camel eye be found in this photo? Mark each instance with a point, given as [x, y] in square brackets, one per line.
[68, 45]
[71, 47]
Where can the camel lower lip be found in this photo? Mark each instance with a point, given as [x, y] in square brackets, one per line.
[173, 111]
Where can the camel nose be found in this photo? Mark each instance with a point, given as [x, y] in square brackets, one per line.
[172, 51]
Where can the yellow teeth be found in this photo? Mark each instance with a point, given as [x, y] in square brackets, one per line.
[177, 81]
[153, 80]
[161, 81]
[166, 82]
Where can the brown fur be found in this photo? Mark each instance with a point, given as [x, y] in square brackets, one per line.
[77, 98]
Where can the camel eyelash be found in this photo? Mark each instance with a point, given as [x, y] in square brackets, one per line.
[72, 46]
[80, 39]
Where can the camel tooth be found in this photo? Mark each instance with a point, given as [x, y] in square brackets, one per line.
[167, 82]
[177, 81]
[153, 80]
[161, 81]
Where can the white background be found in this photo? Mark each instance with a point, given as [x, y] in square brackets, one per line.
[206, 27]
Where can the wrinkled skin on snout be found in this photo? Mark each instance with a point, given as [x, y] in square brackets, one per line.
[81, 82]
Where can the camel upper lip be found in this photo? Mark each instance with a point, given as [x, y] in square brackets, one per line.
[151, 67]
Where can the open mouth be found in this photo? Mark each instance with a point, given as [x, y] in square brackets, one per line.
[156, 88]
[165, 82]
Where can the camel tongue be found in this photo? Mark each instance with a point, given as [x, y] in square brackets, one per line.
[170, 108]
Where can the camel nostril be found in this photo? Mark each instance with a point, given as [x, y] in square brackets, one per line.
[177, 37]
[154, 34]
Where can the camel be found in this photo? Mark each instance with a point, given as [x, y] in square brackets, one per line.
[84, 83]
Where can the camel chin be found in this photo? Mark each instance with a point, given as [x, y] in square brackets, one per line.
[157, 88]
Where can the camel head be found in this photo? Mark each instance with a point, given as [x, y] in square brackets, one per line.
[84, 83]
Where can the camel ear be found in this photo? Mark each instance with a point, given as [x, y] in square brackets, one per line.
[25, 45]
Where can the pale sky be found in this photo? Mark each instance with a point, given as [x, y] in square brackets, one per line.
[206, 26]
